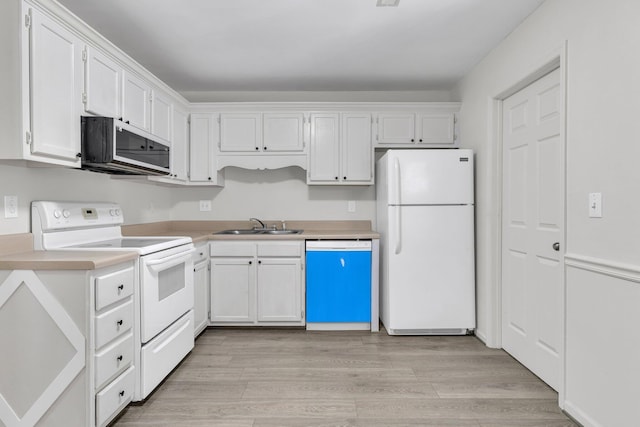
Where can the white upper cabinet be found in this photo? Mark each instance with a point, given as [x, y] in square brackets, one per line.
[415, 129]
[102, 80]
[341, 150]
[202, 166]
[136, 100]
[240, 132]
[55, 81]
[161, 108]
[180, 145]
[283, 132]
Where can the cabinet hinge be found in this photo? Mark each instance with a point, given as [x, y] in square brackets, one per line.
[27, 20]
[455, 119]
[218, 119]
[28, 137]
[84, 97]
[302, 314]
[84, 55]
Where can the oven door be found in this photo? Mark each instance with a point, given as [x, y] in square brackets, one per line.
[166, 289]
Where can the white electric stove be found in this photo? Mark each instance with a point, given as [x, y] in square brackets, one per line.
[163, 297]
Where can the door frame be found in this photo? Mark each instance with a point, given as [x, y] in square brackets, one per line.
[557, 58]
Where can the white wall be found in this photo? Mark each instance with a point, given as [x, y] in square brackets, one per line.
[141, 202]
[603, 147]
[273, 195]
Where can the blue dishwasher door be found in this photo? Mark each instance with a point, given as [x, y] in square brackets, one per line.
[339, 281]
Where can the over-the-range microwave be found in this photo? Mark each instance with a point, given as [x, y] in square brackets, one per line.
[115, 147]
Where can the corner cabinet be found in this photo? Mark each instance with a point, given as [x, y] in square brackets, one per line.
[416, 129]
[202, 153]
[257, 283]
[341, 150]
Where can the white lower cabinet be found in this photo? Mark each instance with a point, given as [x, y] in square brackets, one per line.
[68, 337]
[257, 283]
[201, 288]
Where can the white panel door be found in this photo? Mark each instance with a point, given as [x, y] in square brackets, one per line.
[102, 81]
[161, 107]
[279, 288]
[240, 132]
[324, 150]
[180, 144]
[136, 96]
[201, 152]
[357, 148]
[430, 274]
[56, 87]
[233, 289]
[283, 132]
[436, 128]
[533, 227]
[396, 128]
[201, 294]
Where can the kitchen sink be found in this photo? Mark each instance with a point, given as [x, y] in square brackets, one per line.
[254, 231]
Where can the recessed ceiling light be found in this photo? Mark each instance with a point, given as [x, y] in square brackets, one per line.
[383, 3]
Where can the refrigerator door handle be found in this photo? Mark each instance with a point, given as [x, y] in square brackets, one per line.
[396, 169]
[398, 231]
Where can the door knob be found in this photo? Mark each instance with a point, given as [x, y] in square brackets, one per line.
[556, 246]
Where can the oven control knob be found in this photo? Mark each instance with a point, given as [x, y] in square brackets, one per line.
[66, 213]
[57, 213]
[117, 212]
[112, 212]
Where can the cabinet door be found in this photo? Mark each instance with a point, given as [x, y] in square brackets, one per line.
[396, 128]
[240, 132]
[201, 293]
[233, 289]
[56, 88]
[161, 107]
[324, 151]
[357, 149]
[136, 95]
[179, 144]
[283, 132]
[436, 128]
[102, 79]
[279, 290]
[203, 127]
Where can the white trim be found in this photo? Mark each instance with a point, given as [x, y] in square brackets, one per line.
[617, 270]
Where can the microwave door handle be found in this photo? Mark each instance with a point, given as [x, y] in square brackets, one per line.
[170, 261]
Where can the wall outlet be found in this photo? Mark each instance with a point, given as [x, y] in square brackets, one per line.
[595, 205]
[351, 206]
[205, 205]
[10, 206]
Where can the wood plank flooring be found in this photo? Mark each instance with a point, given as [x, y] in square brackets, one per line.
[279, 377]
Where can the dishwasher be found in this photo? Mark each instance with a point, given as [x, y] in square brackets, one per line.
[338, 284]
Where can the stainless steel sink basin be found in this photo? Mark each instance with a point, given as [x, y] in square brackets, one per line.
[247, 231]
[282, 231]
[254, 231]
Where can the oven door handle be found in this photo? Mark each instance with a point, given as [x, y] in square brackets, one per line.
[170, 261]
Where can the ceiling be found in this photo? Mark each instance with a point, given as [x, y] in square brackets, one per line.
[305, 45]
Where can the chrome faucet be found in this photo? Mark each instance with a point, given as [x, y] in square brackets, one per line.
[261, 223]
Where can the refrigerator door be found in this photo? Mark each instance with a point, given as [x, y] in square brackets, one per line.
[430, 279]
[429, 177]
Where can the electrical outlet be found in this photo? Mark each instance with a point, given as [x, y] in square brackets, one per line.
[595, 205]
[10, 206]
[205, 205]
[351, 206]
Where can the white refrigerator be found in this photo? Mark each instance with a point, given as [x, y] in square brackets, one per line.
[425, 218]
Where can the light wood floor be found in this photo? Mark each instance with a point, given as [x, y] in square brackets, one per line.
[270, 377]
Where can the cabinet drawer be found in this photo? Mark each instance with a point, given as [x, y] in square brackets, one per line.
[113, 287]
[113, 359]
[280, 249]
[113, 323]
[114, 397]
[200, 254]
[229, 249]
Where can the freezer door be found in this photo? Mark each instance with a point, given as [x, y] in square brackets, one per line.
[429, 177]
[429, 278]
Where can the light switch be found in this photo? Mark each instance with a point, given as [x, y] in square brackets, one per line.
[351, 206]
[595, 205]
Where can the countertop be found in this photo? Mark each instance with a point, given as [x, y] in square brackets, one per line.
[16, 249]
